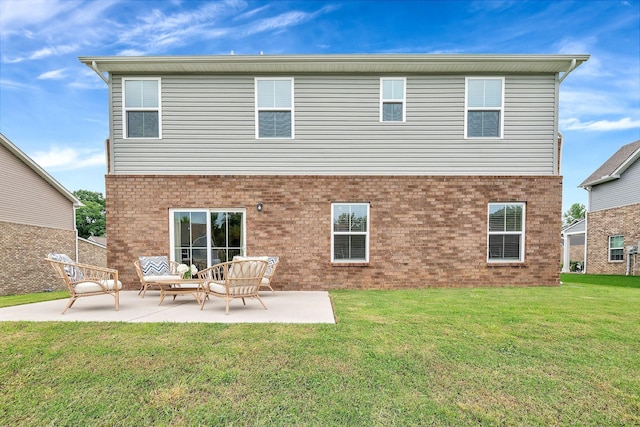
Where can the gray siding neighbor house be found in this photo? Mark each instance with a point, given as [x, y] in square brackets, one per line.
[359, 171]
[613, 213]
[37, 216]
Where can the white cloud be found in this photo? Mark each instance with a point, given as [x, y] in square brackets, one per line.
[44, 53]
[12, 84]
[15, 15]
[68, 158]
[284, 20]
[599, 125]
[158, 31]
[53, 74]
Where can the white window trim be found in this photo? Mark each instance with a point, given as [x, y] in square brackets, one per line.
[404, 99]
[523, 233]
[257, 110]
[125, 110]
[366, 233]
[621, 247]
[467, 109]
[243, 248]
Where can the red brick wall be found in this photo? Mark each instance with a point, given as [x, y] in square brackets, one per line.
[609, 222]
[424, 231]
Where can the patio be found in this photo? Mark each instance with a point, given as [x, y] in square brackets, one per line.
[286, 307]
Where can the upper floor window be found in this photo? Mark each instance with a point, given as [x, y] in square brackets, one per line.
[350, 232]
[274, 108]
[392, 99]
[141, 108]
[616, 248]
[506, 232]
[484, 107]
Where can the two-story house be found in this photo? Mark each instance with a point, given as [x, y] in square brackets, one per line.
[613, 213]
[359, 171]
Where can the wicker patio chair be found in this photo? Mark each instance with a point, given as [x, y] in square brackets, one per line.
[233, 279]
[272, 263]
[151, 268]
[84, 280]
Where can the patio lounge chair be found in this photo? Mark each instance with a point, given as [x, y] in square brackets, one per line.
[152, 268]
[272, 263]
[85, 280]
[233, 279]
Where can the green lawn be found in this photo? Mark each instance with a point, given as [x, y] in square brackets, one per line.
[567, 355]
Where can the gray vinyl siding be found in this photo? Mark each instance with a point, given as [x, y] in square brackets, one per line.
[208, 127]
[620, 192]
[26, 198]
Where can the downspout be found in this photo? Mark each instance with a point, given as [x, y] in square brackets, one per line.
[94, 67]
[586, 231]
[569, 70]
[75, 229]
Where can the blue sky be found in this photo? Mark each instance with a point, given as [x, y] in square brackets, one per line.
[55, 109]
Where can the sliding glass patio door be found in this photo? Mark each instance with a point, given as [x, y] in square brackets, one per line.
[205, 237]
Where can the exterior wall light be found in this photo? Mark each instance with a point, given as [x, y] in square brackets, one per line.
[259, 207]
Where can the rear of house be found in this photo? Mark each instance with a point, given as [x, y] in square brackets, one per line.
[37, 216]
[359, 171]
[613, 219]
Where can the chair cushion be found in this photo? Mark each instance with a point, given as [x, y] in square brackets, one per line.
[271, 260]
[87, 287]
[74, 274]
[216, 287]
[154, 265]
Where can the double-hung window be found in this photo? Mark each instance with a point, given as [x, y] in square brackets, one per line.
[616, 248]
[350, 232]
[506, 232]
[141, 112]
[484, 110]
[274, 108]
[392, 99]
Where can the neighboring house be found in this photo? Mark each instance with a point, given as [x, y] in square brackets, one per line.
[613, 213]
[93, 251]
[359, 171]
[37, 216]
[573, 245]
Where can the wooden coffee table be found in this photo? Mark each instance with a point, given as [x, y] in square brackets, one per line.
[175, 287]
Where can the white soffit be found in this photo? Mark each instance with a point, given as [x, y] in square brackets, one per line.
[389, 63]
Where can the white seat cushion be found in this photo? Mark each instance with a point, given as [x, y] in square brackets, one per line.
[87, 287]
[217, 287]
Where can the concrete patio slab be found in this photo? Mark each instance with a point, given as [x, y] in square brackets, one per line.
[286, 307]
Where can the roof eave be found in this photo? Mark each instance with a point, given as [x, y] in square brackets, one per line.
[406, 63]
[616, 173]
[38, 170]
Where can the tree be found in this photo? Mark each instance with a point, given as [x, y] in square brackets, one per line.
[91, 218]
[575, 212]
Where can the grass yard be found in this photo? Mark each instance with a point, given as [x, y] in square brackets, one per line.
[567, 355]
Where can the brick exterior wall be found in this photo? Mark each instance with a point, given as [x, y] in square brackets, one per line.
[602, 224]
[576, 253]
[424, 231]
[91, 253]
[22, 251]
